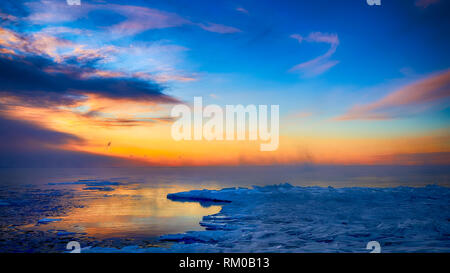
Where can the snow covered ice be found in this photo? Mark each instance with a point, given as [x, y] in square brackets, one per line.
[285, 218]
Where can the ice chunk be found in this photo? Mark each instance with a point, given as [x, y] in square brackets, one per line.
[195, 196]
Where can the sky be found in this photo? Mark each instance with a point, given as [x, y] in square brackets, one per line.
[93, 84]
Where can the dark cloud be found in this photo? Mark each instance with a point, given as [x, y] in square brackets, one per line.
[18, 134]
[23, 144]
[40, 81]
[53, 158]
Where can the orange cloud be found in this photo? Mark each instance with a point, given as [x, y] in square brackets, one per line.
[428, 90]
[143, 134]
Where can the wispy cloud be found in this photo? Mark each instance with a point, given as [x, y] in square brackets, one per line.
[7, 17]
[218, 28]
[56, 30]
[156, 61]
[319, 64]
[140, 19]
[35, 44]
[137, 18]
[297, 37]
[58, 49]
[163, 77]
[404, 100]
[425, 3]
[242, 10]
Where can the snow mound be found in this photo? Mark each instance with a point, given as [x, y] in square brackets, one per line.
[284, 218]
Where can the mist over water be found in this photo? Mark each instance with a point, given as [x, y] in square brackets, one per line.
[219, 177]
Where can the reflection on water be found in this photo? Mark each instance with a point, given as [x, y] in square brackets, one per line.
[129, 210]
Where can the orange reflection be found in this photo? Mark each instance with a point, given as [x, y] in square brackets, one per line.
[133, 212]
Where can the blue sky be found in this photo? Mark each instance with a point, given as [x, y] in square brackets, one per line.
[340, 68]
